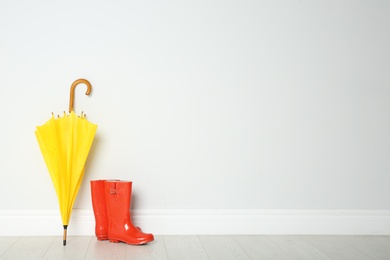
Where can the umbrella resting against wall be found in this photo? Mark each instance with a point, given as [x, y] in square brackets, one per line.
[65, 143]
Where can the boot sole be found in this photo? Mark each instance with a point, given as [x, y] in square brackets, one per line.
[113, 240]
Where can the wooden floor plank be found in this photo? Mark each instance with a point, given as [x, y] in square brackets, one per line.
[194, 247]
[76, 248]
[184, 248]
[222, 247]
[298, 248]
[6, 243]
[260, 247]
[377, 247]
[152, 251]
[105, 250]
[28, 248]
[336, 249]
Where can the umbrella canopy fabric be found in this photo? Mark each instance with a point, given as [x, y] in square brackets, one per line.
[65, 143]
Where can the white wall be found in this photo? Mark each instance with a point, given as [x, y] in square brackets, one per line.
[204, 104]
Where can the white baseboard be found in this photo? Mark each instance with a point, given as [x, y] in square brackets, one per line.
[208, 222]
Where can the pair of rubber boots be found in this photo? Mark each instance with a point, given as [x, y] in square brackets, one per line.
[111, 206]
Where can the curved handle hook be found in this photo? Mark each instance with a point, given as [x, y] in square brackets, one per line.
[71, 100]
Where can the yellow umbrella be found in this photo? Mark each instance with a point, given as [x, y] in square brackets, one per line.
[65, 143]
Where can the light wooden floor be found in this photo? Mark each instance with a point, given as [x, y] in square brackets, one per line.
[201, 247]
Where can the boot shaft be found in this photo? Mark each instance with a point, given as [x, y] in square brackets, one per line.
[118, 196]
[97, 192]
[99, 209]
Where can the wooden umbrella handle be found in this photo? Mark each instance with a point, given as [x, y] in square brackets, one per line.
[71, 100]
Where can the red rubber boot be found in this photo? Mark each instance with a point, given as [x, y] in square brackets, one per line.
[120, 226]
[99, 209]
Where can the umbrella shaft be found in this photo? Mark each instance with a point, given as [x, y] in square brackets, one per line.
[65, 233]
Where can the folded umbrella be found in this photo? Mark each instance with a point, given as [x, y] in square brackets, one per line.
[65, 143]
